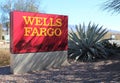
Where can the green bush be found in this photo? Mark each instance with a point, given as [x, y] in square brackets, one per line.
[85, 43]
[113, 48]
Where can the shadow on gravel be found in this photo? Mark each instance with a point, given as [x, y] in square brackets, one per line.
[104, 71]
[5, 70]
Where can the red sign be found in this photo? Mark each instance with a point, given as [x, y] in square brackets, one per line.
[36, 32]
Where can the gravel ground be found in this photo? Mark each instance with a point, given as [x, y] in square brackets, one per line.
[107, 71]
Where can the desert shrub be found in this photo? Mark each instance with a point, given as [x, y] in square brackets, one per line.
[113, 48]
[85, 43]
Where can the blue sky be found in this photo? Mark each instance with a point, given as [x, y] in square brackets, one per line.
[80, 11]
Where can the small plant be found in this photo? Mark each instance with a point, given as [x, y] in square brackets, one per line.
[4, 57]
[113, 48]
[109, 45]
[85, 43]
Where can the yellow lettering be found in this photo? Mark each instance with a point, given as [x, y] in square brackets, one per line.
[30, 31]
[50, 31]
[45, 22]
[28, 20]
[27, 31]
[58, 32]
[58, 22]
[42, 32]
[51, 22]
[38, 21]
[42, 21]
[35, 32]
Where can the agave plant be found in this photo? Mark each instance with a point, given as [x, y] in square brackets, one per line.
[85, 42]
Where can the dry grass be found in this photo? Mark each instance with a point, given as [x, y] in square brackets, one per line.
[109, 34]
[4, 57]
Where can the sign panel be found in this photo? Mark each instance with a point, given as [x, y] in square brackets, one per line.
[36, 32]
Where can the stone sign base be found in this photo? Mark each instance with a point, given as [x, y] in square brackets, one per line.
[28, 62]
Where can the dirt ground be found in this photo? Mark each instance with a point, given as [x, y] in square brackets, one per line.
[103, 71]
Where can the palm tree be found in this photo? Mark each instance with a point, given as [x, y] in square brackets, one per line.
[112, 5]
